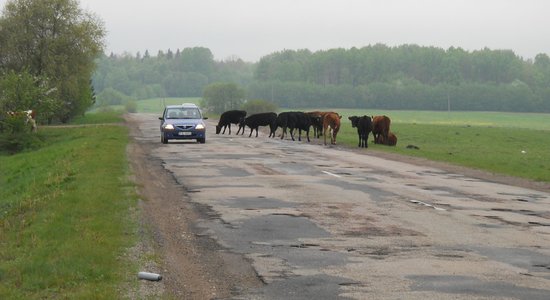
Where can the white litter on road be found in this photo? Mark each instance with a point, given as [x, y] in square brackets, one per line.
[427, 204]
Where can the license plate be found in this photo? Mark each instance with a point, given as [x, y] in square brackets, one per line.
[185, 133]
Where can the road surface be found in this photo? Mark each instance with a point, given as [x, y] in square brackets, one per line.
[292, 220]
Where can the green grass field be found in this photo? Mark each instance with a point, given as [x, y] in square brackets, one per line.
[65, 216]
[511, 151]
[515, 144]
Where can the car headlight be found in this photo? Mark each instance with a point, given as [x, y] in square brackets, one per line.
[169, 127]
[199, 126]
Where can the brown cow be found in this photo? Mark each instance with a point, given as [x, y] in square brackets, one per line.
[380, 126]
[391, 141]
[332, 120]
[316, 122]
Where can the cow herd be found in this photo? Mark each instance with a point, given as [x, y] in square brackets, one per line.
[323, 123]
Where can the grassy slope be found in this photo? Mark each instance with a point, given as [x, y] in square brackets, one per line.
[64, 216]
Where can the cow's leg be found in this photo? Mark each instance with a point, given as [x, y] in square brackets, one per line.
[251, 130]
[241, 126]
[334, 133]
[292, 134]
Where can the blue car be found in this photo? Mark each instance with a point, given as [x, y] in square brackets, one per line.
[182, 122]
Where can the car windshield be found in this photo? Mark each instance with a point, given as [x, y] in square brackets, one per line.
[183, 113]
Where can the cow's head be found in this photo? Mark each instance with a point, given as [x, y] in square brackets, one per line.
[354, 120]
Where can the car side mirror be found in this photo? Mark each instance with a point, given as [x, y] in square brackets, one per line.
[161, 118]
[205, 118]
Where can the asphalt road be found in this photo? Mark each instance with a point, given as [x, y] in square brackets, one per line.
[318, 222]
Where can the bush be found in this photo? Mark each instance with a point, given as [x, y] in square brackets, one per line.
[130, 106]
[16, 135]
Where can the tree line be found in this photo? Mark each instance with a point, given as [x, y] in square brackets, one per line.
[405, 77]
[183, 73]
[376, 76]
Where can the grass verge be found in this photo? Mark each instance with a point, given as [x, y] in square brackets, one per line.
[64, 216]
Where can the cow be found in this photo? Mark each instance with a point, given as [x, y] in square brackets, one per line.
[261, 119]
[286, 120]
[316, 118]
[303, 122]
[364, 127]
[331, 122]
[28, 115]
[380, 126]
[228, 117]
[292, 120]
[391, 141]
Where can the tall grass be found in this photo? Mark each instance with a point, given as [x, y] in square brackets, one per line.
[64, 216]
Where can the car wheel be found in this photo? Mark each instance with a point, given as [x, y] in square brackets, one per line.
[202, 141]
[163, 139]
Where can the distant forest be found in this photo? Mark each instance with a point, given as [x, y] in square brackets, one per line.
[377, 77]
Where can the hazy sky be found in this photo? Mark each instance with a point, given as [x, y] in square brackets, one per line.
[250, 29]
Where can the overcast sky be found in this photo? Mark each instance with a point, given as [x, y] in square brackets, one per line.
[251, 29]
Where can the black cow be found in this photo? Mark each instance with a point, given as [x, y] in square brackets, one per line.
[287, 120]
[303, 122]
[261, 119]
[364, 127]
[316, 118]
[294, 120]
[228, 117]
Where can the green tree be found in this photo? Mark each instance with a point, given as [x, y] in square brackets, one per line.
[24, 91]
[220, 97]
[19, 92]
[57, 40]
